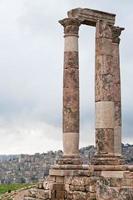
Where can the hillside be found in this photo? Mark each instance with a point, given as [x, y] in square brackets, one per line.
[26, 168]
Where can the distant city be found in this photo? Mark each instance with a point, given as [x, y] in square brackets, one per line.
[26, 168]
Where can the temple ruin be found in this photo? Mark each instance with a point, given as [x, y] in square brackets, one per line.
[107, 85]
[107, 178]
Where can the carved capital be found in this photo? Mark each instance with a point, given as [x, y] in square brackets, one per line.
[116, 32]
[103, 30]
[71, 26]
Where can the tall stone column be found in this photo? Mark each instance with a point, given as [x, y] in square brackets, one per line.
[104, 95]
[71, 89]
[116, 31]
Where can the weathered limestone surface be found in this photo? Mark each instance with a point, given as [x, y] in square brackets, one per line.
[80, 188]
[90, 17]
[90, 187]
[114, 189]
[105, 114]
[104, 93]
[71, 89]
[104, 140]
[116, 32]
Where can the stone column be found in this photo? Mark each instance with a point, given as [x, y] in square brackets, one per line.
[71, 89]
[116, 31]
[104, 96]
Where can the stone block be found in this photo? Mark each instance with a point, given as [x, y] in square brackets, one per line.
[104, 87]
[128, 175]
[117, 140]
[128, 182]
[115, 182]
[79, 195]
[117, 107]
[71, 142]
[91, 17]
[71, 78]
[58, 191]
[104, 114]
[71, 44]
[77, 188]
[67, 187]
[105, 140]
[104, 46]
[117, 93]
[71, 98]
[126, 194]
[118, 174]
[59, 179]
[104, 65]
[70, 60]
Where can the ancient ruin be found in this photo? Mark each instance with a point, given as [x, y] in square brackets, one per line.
[107, 178]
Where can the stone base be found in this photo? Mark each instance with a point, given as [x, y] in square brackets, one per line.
[92, 182]
[95, 182]
[69, 170]
[88, 182]
[69, 160]
[107, 159]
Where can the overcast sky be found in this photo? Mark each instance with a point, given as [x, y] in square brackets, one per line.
[31, 68]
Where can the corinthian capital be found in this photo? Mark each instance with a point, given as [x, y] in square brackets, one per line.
[103, 30]
[71, 26]
[116, 32]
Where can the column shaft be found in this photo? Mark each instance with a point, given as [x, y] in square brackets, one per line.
[117, 89]
[104, 90]
[71, 89]
[107, 97]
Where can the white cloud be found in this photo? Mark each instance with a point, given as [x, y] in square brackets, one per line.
[22, 136]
